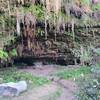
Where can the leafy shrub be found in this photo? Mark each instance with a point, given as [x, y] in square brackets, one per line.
[84, 54]
[84, 2]
[37, 10]
[6, 58]
[13, 53]
[89, 89]
[97, 51]
[96, 7]
[90, 85]
[3, 55]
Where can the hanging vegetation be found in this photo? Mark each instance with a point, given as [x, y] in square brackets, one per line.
[38, 27]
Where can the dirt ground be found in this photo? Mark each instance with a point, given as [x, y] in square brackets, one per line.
[69, 87]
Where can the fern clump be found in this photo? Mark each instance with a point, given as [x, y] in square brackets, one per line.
[3, 55]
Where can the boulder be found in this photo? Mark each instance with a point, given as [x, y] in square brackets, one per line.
[12, 89]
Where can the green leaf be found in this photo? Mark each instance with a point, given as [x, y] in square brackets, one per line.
[13, 52]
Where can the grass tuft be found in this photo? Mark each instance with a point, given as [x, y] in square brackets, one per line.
[73, 73]
[12, 75]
